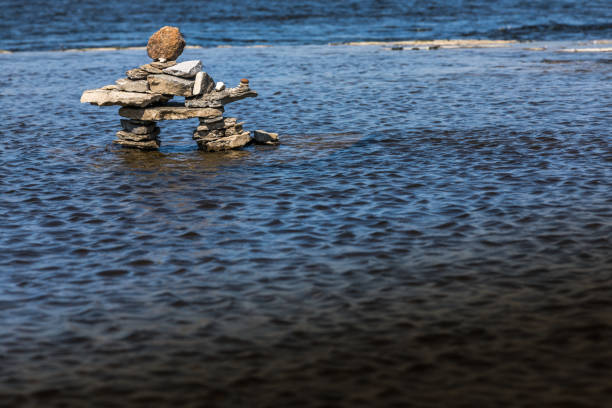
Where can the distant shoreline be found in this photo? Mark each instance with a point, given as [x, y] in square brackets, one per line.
[561, 46]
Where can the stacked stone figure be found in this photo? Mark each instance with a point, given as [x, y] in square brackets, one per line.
[145, 93]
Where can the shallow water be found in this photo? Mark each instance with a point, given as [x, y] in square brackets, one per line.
[35, 25]
[434, 230]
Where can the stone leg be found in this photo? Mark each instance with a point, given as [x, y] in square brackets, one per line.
[138, 134]
[218, 134]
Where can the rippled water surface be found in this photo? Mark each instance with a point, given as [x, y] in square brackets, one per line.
[434, 230]
[40, 25]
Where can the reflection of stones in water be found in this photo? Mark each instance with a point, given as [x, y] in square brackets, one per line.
[192, 160]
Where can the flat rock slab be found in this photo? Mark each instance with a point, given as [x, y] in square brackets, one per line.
[170, 85]
[137, 74]
[226, 143]
[156, 67]
[123, 135]
[219, 98]
[104, 97]
[224, 123]
[186, 69]
[137, 127]
[162, 65]
[129, 85]
[169, 112]
[145, 145]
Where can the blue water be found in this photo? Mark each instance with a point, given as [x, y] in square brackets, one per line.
[434, 230]
[40, 25]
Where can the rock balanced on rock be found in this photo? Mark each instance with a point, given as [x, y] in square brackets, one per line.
[145, 93]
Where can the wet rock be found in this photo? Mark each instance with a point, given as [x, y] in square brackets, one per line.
[220, 86]
[169, 112]
[222, 123]
[170, 85]
[138, 137]
[203, 83]
[138, 127]
[103, 97]
[143, 145]
[186, 69]
[263, 137]
[209, 135]
[136, 74]
[129, 85]
[225, 143]
[167, 43]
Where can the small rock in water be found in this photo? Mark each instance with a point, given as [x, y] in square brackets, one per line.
[170, 85]
[129, 85]
[167, 44]
[187, 69]
[263, 137]
[203, 83]
[220, 86]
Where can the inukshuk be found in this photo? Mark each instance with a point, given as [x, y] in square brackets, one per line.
[145, 94]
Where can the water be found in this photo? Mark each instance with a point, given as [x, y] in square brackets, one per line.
[434, 230]
[92, 23]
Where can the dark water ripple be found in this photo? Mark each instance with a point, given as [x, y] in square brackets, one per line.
[437, 232]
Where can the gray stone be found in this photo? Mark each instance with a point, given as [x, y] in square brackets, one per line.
[157, 67]
[129, 85]
[217, 99]
[103, 97]
[144, 145]
[206, 121]
[110, 87]
[170, 85]
[225, 143]
[123, 135]
[219, 86]
[162, 64]
[169, 112]
[137, 126]
[263, 137]
[137, 74]
[234, 130]
[203, 83]
[150, 69]
[186, 69]
[208, 135]
[218, 124]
